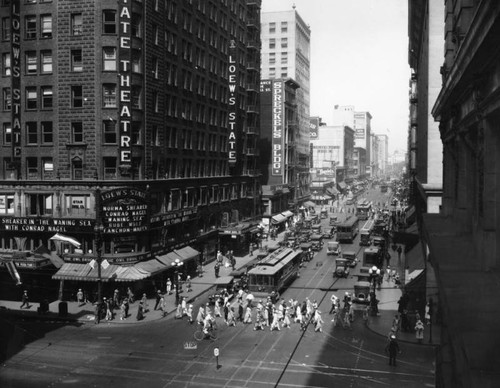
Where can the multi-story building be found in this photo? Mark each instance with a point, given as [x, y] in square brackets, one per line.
[361, 123]
[281, 171]
[462, 241]
[128, 127]
[286, 54]
[359, 162]
[382, 154]
[333, 150]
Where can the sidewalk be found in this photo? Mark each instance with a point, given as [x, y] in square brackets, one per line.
[85, 313]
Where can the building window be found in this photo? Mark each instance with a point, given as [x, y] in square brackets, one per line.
[109, 168]
[109, 95]
[156, 34]
[284, 26]
[7, 103]
[155, 67]
[76, 60]
[6, 64]
[136, 133]
[7, 203]
[136, 61]
[136, 25]
[6, 133]
[30, 27]
[109, 131]
[46, 58]
[109, 58]
[155, 137]
[77, 96]
[5, 28]
[76, 24]
[272, 28]
[31, 132]
[77, 204]
[31, 98]
[272, 43]
[47, 132]
[77, 132]
[156, 102]
[136, 97]
[31, 62]
[47, 98]
[47, 168]
[46, 26]
[39, 204]
[32, 168]
[284, 42]
[109, 21]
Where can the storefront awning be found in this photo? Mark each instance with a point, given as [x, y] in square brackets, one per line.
[287, 213]
[332, 191]
[187, 253]
[309, 204]
[323, 197]
[278, 218]
[342, 185]
[169, 258]
[117, 273]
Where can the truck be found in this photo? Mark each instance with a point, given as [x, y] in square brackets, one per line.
[372, 256]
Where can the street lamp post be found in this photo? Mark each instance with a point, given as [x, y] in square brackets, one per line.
[374, 273]
[98, 229]
[177, 264]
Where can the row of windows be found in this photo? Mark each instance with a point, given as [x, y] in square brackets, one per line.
[33, 27]
[272, 27]
[272, 43]
[33, 99]
[43, 134]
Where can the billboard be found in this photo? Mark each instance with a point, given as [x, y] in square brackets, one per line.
[313, 128]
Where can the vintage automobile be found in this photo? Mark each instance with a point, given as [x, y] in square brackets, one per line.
[333, 248]
[317, 242]
[352, 257]
[316, 229]
[361, 292]
[341, 268]
[224, 285]
[323, 214]
[334, 220]
[328, 233]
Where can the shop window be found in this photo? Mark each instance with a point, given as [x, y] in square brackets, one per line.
[39, 204]
[77, 204]
[6, 203]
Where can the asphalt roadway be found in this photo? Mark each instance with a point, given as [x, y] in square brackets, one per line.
[163, 353]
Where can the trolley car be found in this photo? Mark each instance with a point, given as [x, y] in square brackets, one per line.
[275, 272]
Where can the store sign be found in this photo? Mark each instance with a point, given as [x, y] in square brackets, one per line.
[233, 102]
[51, 225]
[173, 217]
[124, 211]
[314, 128]
[15, 58]
[277, 128]
[125, 77]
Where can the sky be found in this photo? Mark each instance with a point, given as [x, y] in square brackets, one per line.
[359, 57]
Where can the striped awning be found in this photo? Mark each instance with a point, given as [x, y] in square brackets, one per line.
[278, 218]
[287, 213]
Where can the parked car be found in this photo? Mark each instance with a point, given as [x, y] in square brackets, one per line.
[361, 292]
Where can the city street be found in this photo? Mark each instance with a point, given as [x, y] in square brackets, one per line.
[164, 353]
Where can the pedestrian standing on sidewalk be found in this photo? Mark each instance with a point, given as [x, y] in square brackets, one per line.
[169, 286]
[122, 311]
[188, 283]
[231, 320]
[240, 311]
[158, 299]
[217, 269]
[275, 324]
[79, 298]
[217, 308]
[109, 310]
[144, 301]
[25, 300]
[392, 349]
[140, 311]
[419, 331]
[116, 299]
[130, 295]
[163, 306]
[127, 306]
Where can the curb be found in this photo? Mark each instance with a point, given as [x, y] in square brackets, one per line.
[406, 341]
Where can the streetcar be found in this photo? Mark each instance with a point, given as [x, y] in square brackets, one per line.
[275, 272]
[366, 233]
[363, 209]
[347, 230]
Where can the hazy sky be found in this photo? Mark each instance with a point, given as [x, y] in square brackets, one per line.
[359, 56]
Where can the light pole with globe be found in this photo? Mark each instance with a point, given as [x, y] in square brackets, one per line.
[177, 264]
[374, 273]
